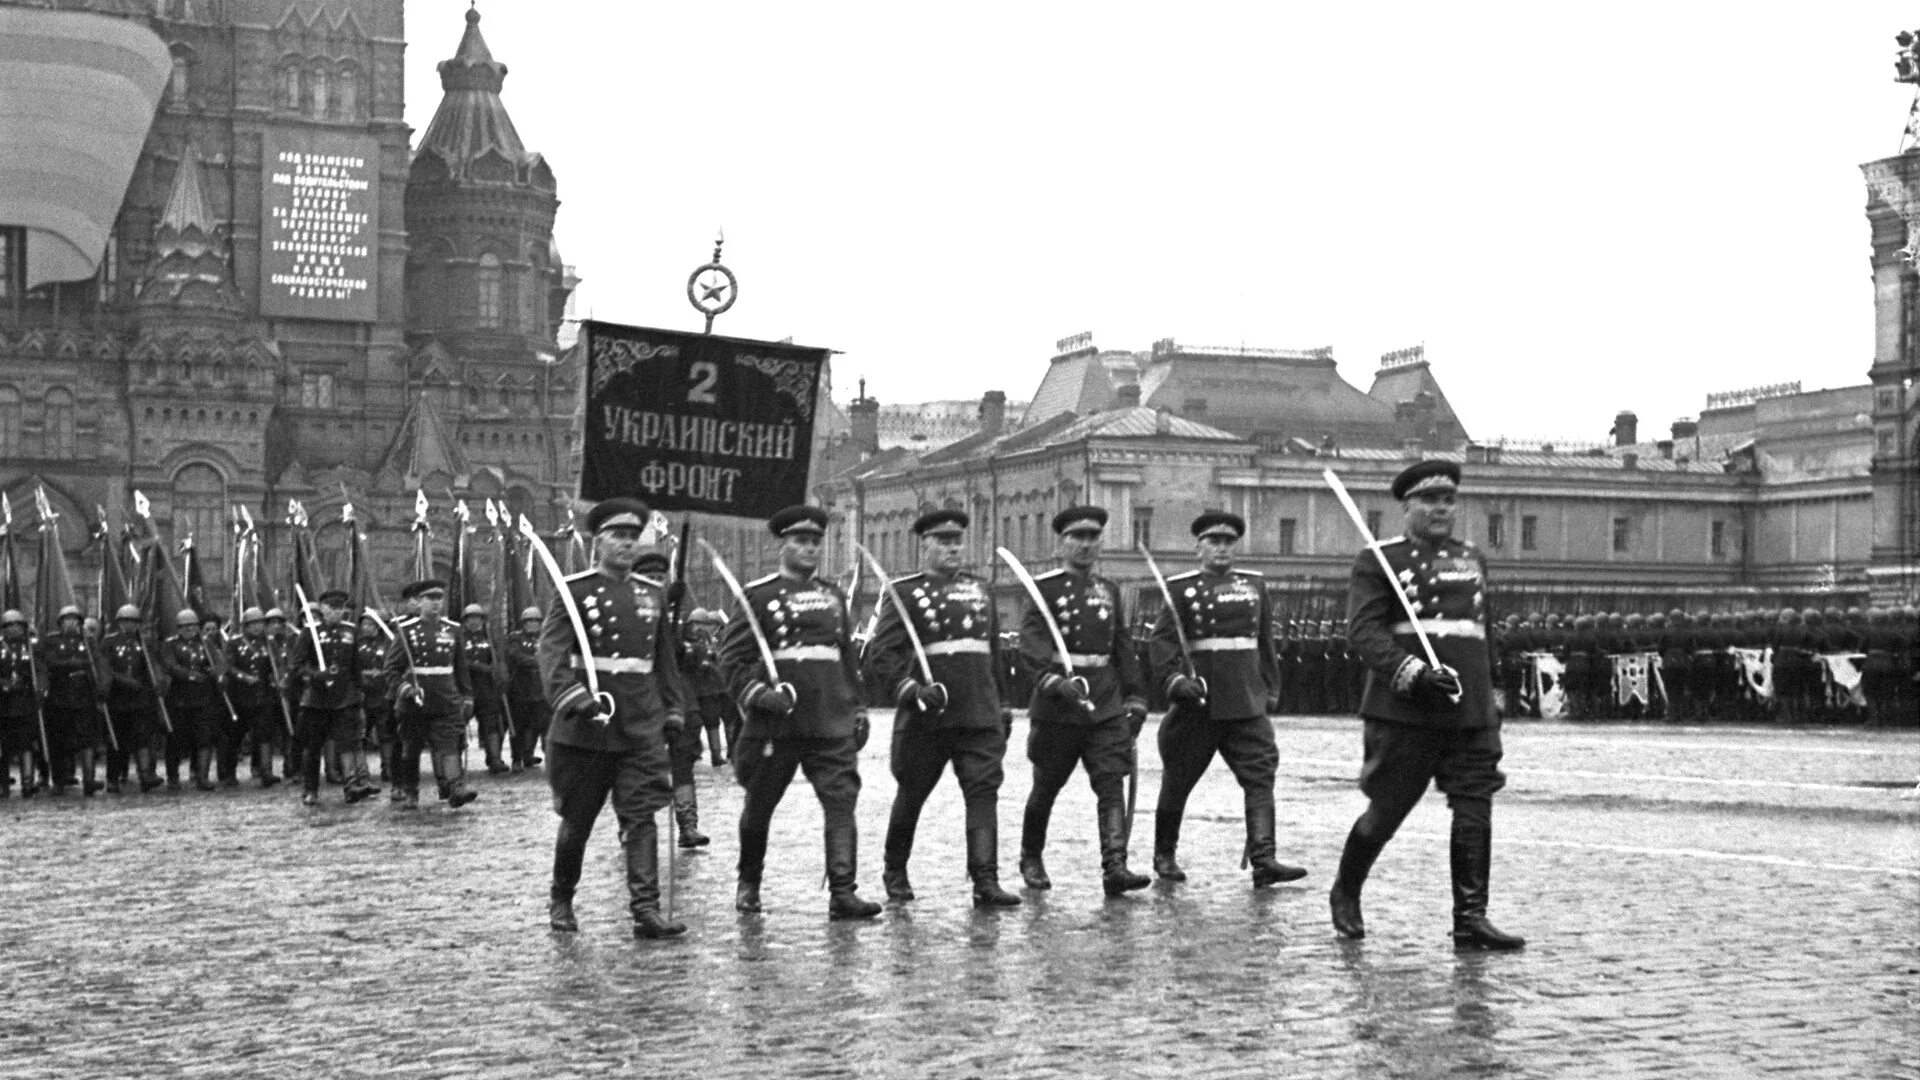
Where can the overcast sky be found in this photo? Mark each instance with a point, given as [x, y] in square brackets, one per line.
[1577, 208]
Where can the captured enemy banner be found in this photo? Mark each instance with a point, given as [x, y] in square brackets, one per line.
[698, 422]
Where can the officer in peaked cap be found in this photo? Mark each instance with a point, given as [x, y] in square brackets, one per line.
[953, 716]
[1087, 708]
[612, 744]
[327, 659]
[1425, 722]
[1218, 690]
[426, 670]
[808, 712]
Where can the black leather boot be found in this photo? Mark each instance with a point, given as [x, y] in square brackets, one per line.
[686, 817]
[569, 852]
[1033, 840]
[1260, 846]
[894, 878]
[1115, 878]
[746, 897]
[1472, 857]
[457, 792]
[753, 856]
[1356, 861]
[983, 866]
[643, 884]
[902, 822]
[1166, 840]
[843, 902]
[1165, 867]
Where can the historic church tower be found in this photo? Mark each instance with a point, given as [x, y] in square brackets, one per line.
[485, 291]
[1893, 211]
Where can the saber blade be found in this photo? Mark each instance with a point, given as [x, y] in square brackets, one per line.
[893, 594]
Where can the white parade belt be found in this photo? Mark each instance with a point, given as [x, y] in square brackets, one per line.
[620, 665]
[447, 670]
[963, 645]
[1080, 660]
[1225, 644]
[1466, 628]
[808, 652]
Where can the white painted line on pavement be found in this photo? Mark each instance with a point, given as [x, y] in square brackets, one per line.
[1712, 781]
[1662, 744]
[1702, 853]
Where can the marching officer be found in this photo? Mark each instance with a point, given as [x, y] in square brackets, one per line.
[526, 699]
[807, 713]
[1089, 714]
[286, 684]
[19, 703]
[327, 661]
[1218, 691]
[133, 697]
[426, 668]
[705, 687]
[955, 718]
[488, 703]
[375, 702]
[1426, 723]
[193, 700]
[683, 742]
[250, 677]
[593, 754]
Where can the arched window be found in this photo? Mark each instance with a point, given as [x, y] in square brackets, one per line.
[290, 87]
[314, 101]
[504, 392]
[488, 281]
[9, 421]
[177, 85]
[199, 508]
[346, 93]
[59, 432]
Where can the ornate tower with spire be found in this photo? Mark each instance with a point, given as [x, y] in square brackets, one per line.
[486, 288]
[1893, 213]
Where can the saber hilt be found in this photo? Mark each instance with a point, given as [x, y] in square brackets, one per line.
[753, 624]
[1053, 628]
[1413, 617]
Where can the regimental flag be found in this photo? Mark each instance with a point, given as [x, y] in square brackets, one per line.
[1756, 672]
[512, 590]
[363, 586]
[194, 583]
[305, 571]
[462, 583]
[159, 588]
[52, 587]
[10, 594]
[422, 539]
[113, 572]
[1841, 674]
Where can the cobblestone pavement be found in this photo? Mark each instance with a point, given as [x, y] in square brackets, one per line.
[1699, 902]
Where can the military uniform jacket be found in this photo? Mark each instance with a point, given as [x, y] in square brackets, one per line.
[1446, 584]
[810, 630]
[372, 650]
[523, 666]
[439, 666]
[1226, 619]
[956, 623]
[192, 680]
[480, 664]
[632, 657]
[130, 684]
[17, 678]
[250, 657]
[1088, 611]
[332, 679]
[700, 660]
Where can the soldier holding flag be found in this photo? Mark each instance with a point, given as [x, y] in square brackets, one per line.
[72, 711]
[19, 701]
[133, 695]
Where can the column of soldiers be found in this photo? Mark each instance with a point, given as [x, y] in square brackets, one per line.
[1700, 677]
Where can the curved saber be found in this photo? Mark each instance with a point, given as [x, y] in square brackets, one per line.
[1173, 612]
[600, 697]
[1046, 616]
[893, 594]
[753, 624]
[1360, 523]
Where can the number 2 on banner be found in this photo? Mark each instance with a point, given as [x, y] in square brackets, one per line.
[706, 371]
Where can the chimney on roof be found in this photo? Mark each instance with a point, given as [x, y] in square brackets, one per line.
[1162, 421]
[1685, 428]
[1127, 397]
[1626, 429]
[1629, 460]
[993, 412]
[863, 416]
[1416, 418]
[1665, 446]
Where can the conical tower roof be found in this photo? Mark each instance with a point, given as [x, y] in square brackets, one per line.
[471, 121]
[186, 246]
[421, 447]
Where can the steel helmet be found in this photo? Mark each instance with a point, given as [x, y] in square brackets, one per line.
[473, 609]
[69, 611]
[252, 615]
[531, 613]
[186, 618]
[127, 611]
[13, 616]
[276, 613]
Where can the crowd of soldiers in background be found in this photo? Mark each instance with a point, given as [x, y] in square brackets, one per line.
[1788, 666]
[113, 709]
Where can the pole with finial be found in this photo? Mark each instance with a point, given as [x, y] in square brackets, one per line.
[712, 288]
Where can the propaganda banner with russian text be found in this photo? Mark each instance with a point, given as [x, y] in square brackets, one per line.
[697, 422]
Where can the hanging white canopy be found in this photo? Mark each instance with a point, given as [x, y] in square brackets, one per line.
[77, 96]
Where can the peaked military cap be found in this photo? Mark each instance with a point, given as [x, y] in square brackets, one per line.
[1079, 517]
[941, 521]
[1220, 523]
[621, 511]
[798, 518]
[334, 596]
[418, 587]
[1424, 476]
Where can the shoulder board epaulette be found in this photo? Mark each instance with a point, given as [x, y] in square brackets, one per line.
[655, 582]
[405, 620]
[583, 574]
[1468, 544]
[1183, 574]
[1393, 540]
[1249, 573]
[759, 581]
[910, 577]
[444, 621]
[1056, 572]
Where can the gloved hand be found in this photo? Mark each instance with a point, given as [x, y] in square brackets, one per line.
[1436, 686]
[676, 723]
[861, 729]
[1006, 722]
[773, 702]
[1071, 691]
[588, 709]
[1186, 690]
[1273, 704]
[1136, 711]
[928, 698]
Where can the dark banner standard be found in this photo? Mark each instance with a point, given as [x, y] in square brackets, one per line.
[320, 226]
[698, 422]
